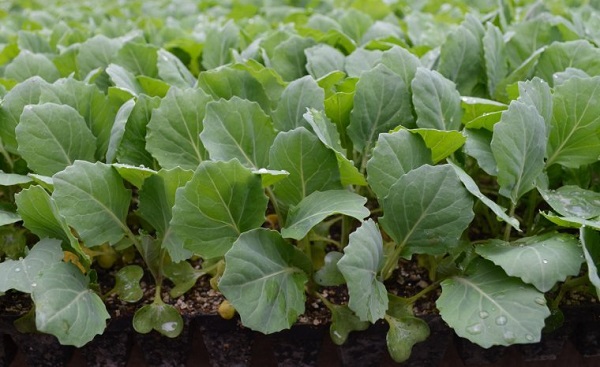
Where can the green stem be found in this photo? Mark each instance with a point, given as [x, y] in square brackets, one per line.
[7, 157]
[305, 247]
[346, 224]
[530, 213]
[323, 299]
[390, 263]
[273, 200]
[508, 227]
[157, 294]
[567, 286]
[316, 237]
[422, 293]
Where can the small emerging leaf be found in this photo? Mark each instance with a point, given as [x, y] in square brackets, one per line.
[158, 316]
[127, 283]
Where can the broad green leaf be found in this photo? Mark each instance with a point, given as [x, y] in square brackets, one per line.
[343, 322]
[362, 261]
[183, 276]
[238, 128]
[138, 58]
[23, 274]
[218, 45]
[355, 23]
[461, 56]
[127, 283]
[518, 146]
[271, 81]
[134, 174]
[572, 221]
[579, 54]
[12, 179]
[156, 200]
[529, 36]
[427, 210]
[173, 131]
[402, 62]
[160, 317]
[51, 137]
[299, 95]
[495, 57]
[562, 76]
[472, 187]
[573, 201]
[124, 79]
[44, 181]
[66, 307]
[490, 308]
[478, 146]
[381, 103]
[12, 106]
[361, 60]
[93, 105]
[153, 87]
[28, 65]
[590, 239]
[323, 59]
[270, 177]
[289, 59]
[312, 166]
[173, 71]
[97, 53]
[264, 280]
[539, 260]
[33, 42]
[394, 155]
[441, 143]
[221, 201]
[338, 107]
[93, 200]
[404, 333]
[436, 101]
[328, 134]
[8, 217]
[226, 82]
[522, 72]
[319, 205]
[329, 274]
[481, 113]
[574, 139]
[118, 129]
[537, 93]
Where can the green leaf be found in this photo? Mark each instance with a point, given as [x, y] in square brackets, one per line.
[573, 201]
[289, 59]
[355, 23]
[133, 174]
[323, 59]
[138, 58]
[23, 274]
[299, 95]
[590, 239]
[12, 106]
[173, 71]
[8, 217]
[13, 179]
[404, 333]
[361, 60]
[481, 113]
[160, 317]
[343, 322]
[97, 53]
[329, 274]
[436, 100]
[572, 222]
[221, 201]
[218, 45]
[518, 146]
[51, 137]
[93, 200]
[574, 140]
[264, 280]
[490, 308]
[65, 306]
[28, 64]
[127, 283]
[402, 62]
[173, 131]
[312, 166]
[270, 177]
[226, 82]
[363, 259]
[183, 275]
[538, 260]
[441, 143]
[319, 205]
[579, 54]
[238, 128]
[562, 76]
[382, 102]
[495, 56]
[427, 210]
[472, 187]
[153, 87]
[537, 93]
[478, 146]
[124, 79]
[461, 56]
[394, 155]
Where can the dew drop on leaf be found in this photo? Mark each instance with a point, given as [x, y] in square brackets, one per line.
[474, 329]
[545, 261]
[501, 320]
[529, 337]
[509, 336]
[169, 326]
[483, 314]
[540, 301]
[17, 270]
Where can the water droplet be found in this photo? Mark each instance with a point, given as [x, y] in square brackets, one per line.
[540, 301]
[169, 326]
[501, 320]
[483, 314]
[17, 270]
[529, 337]
[474, 329]
[509, 336]
[34, 284]
[545, 261]
[500, 295]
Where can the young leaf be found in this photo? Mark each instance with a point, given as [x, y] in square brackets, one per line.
[226, 82]
[299, 95]
[173, 131]
[173, 71]
[264, 280]
[405, 331]
[579, 54]
[319, 205]
[238, 128]
[124, 80]
[158, 316]
[132, 146]
[66, 307]
[329, 274]
[436, 100]
[28, 64]
[12, 179]
[590, 239]
[538, 260]
[575, 119]
[118, 128]
[478, 146]
[22, 274]
[133, 174]
[51, 137]
[221, 201]
[127, 283]
[362, 60]
[427, 210]
[495, 56]
[481, 113]
[289, 59]
[270, 177]
[323, 59]
[183, 275]
[402, 62]
[442, 143]
[394, 155]
[218, 45]
[363, 259]
[490, 308]
[343, 322]
[93, 200]
[382, 102]
[312, 166]
[138, 58]
[537, 93]
[573, 201]
[97, 53]
[572, 221]
[8, 217]
[518, 146]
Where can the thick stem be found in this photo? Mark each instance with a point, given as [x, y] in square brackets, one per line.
[273, 200]
[346, 224]
[424, 292]
[530, 213]
[567, 286]
[508, 227]
[316, 237]
[390, 263]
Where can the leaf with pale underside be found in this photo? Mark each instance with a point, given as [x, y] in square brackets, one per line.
[573, 201]
[590, 239]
